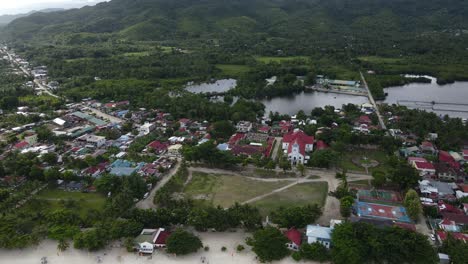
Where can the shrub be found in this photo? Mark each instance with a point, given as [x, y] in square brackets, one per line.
[240, 248]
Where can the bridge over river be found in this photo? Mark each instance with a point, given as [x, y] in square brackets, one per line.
[435, 105]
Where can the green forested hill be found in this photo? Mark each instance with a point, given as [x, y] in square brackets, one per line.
[272, 20]
[168, 42]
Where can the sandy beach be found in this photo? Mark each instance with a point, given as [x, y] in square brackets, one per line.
[215, 241]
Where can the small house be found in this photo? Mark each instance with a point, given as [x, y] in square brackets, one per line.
[320, 234]
[295, 239]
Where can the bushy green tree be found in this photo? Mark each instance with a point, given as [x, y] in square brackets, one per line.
[181, 242]
[269, 244]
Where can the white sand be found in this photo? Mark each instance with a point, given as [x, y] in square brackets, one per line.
[215, 241]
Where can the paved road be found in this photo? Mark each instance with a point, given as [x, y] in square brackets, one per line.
[44, 88]
[278, 147]
[148, 202]
[371, 99]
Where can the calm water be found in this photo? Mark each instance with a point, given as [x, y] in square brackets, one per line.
[428, 92]
[223, 85]
[309, 100]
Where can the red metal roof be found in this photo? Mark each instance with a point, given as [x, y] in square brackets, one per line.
[364, 119]
[21, 145]
[407, 226]
[321, 145]
[158, 146]
[463, 187]
[236, 138]
[427, 144]
[457, 218]
[424, 165]
[294, 236]
[162, 237]
[459, 236]
[445, 156]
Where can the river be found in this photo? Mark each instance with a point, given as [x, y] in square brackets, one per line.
[309, 100]
[428, 92]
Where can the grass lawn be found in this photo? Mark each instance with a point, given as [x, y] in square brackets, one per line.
[225, 190]
[298, 195]
[136, 54]
[377, 59]
[378, 155]
[264, 173]
[266, 59]
[233, 70]
[361, 182]
[85, 201]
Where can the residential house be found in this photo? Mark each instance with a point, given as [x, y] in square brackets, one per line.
[320, 234]
[149, 169]
[30, 137]
[149, 239]
[442, 236]
[21, 145]
[295, 239]
[296, 145]
[95, 171]
[184, 122]
[157, 147]
[146, 128]
[264, 129]
[448, 225]
[174, 150]
[460, 220]
[428, 148]
[244, 126]
[448, 173]
[457, 157]
[462, 191]
[95, 141]
[363, 120]
[285, 126]
[444, 156]
[436, 190]
[424, 168]
[117, 104]
[412, 160]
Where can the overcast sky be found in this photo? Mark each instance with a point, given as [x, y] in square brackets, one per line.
[24, 6]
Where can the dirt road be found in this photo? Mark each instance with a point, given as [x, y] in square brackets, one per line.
[148, 202]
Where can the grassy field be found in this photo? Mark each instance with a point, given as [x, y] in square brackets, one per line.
[233, 70]
[266, 59]
[377, 59]
[263, 173]
[225, 190]
[85, 201]
[136, 54]
[380, 156]
[298, 195]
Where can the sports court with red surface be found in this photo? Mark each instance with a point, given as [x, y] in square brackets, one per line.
[379, 196]
[371, 210]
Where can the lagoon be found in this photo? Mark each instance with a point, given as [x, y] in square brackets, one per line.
[431, 92]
